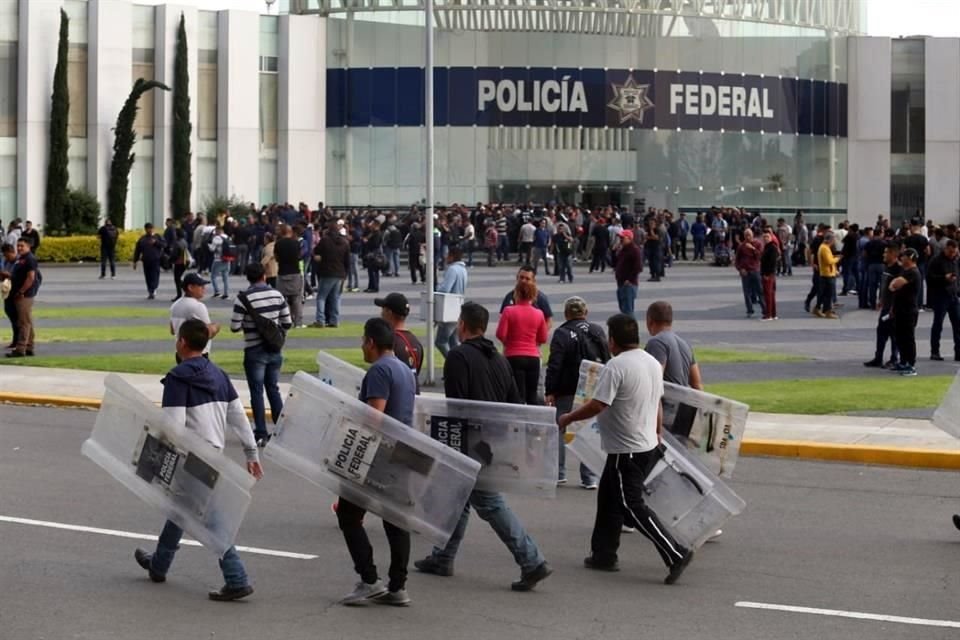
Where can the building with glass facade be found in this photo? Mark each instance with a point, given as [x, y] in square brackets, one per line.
[775, 105]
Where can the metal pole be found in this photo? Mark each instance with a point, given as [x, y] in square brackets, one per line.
[428, 122]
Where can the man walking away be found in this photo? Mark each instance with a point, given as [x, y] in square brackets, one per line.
[191, 307]
[407, 347]
[905, 311]
[24, 285]
[630, 417]
[873, 256]
[942, 273]
[747, 262]
[454, 281]
[628, 268]
[198, 396]
[827, 268]
[573, 342]
[768, 275]
[476, 371]
[261, 361]
[331, 261]
[885, 319]
[289, 279]
[388, 387]
[220, 247]
[149, 249]
[108, 249]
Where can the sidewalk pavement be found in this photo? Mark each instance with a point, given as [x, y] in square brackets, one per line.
[889, 441]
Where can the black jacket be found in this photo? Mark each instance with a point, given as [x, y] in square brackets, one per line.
[475, 370]
[568, 349]
[937, 271]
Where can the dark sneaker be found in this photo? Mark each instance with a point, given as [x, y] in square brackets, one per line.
[398, 598]
[873, 363]
[143, 559]
[590, 563]
[678, 568]
[936, 356]
[263, 440]
[891, 365]
[228, 594]
[432, 566]
[909, 372]
[17, 354]
[956, 521]
[529, 581]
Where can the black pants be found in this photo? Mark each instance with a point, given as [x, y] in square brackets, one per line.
[151, 275]
[620, 501]
[885, 333]
[10, 309]
[526, 372]
[814, 291]
[350, 518]
[178, 270]
[108, 255]
[944, 306]
[905, 333]
[413, 261]
[373, 279]
[599, 262]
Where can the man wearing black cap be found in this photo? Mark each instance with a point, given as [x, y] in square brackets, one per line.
[191, 307]
[394, 309]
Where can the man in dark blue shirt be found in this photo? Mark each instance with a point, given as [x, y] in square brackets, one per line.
[24, 284]
[390, 387]
[149, 249]
[527, 274]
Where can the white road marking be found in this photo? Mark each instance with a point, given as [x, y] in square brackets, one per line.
[876, 617]
[143, 536]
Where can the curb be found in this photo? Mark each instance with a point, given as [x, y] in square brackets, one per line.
[799, 449]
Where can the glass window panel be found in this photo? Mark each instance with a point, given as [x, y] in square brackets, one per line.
[143, 27]
[207, 32]
[77, 12]
[206, 179]
[141, 193]
[269, 36]
[268, 181]
[146, 113]
[77, 85]
[8, 20]
[77, 166]
[8, 187]
[8, 89]
[268, 110]
[207, 100]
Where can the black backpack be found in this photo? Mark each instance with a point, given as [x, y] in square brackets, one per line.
[589, 345]
[271, 333]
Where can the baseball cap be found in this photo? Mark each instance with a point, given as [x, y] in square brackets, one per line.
[194, 278]
[627, 235]
[575, 306]
[395, 302]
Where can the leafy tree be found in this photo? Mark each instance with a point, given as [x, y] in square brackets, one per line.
[58, 170]
[124, 138]
[182, 178]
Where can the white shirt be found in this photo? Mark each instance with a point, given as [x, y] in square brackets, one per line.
[631, 385]
[187, 308]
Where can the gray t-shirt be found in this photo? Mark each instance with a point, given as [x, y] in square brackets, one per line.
[631, 385]
[187, 308]
[674, 355]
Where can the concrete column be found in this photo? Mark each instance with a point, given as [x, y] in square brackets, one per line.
[168, 21]
[301, 153]
[868, 141]
[942, 150]
[238, 105]
[39, 24]
[110, 81]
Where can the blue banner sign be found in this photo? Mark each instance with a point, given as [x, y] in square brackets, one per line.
[590, 98]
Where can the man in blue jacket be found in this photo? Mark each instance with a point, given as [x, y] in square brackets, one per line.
[199, 396]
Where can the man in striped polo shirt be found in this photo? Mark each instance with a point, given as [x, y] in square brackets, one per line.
[262, 366]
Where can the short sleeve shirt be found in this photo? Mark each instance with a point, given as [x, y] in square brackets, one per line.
[674, 355]
[24, 265]
[391, 380]
[631, 385]
[187, 308]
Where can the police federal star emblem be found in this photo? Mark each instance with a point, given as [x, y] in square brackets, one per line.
[630, 100]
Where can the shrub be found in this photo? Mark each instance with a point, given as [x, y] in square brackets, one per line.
[77, 248]
[234, 206]
[81, 213]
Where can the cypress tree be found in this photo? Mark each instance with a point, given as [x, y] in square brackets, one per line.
[182, 178]
[58, 170]
[124, 137]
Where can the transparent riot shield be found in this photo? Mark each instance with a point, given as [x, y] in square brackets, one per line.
[515, 445]
[347, 447]
[191, 482]
[337, 373]
[703, 422]
[947, 415]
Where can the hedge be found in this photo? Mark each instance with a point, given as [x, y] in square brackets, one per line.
[77, 248]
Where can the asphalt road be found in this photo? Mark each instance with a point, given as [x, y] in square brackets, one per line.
[831, 536]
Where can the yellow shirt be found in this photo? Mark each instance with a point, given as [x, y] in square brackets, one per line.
[826, 261]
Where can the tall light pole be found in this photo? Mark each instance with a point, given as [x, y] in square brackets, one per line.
[428, 123]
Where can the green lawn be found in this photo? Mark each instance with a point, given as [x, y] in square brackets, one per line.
[837, 395]
[710, 355]
[42, 312]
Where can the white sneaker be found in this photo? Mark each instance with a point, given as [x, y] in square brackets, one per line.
[716, 535]
[363, 594]
[589, 486]
[626, 529]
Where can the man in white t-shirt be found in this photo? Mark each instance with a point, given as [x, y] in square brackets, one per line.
[627, 404]
[191, 307]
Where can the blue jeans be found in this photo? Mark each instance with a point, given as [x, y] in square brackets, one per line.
[263, 373]
[698, 253]
[850, 269]
[491, 507]
[220, 270]
[234, 575]
[874, 278]
[446, 337]
[353, 275]
[328, 301]
[627, 298]
[752, 291]
[564, 405]
[503, 247]
[393, 261]
[565, 267]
